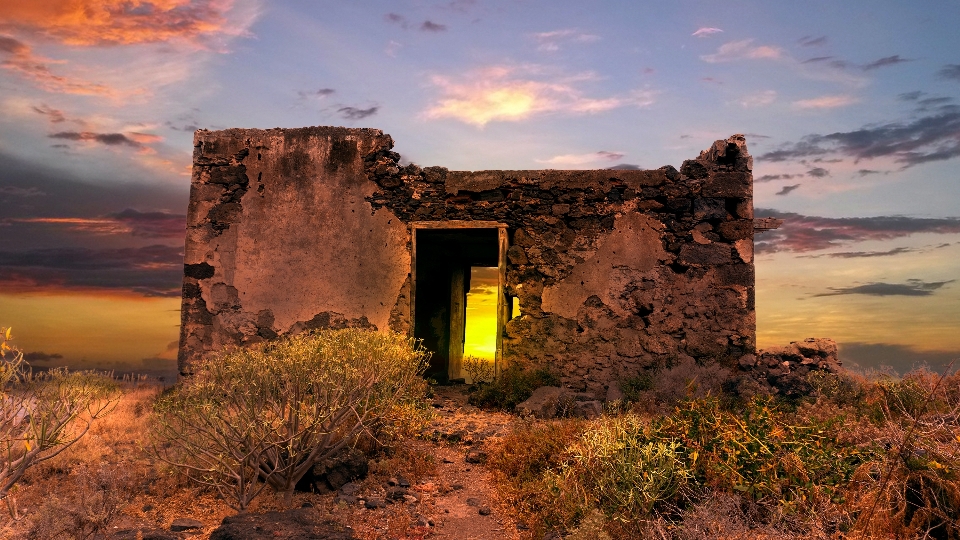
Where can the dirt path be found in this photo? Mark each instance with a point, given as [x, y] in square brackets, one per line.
[435, 487]
[456, 500]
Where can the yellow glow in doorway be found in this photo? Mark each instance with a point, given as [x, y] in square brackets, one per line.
[481, 324]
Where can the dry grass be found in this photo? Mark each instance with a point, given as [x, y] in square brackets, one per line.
[866, 459]
[111, 480]
[108, 478]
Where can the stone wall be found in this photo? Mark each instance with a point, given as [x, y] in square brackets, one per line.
[610, 271]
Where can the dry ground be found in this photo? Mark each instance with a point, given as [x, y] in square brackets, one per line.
[111, 475]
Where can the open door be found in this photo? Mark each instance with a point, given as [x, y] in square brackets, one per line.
[444, 257]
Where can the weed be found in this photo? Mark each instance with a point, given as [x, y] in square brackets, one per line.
[633, 387]
[96, 504]
[591, 528]
[479, 369]
[511, 387]
[625, 473]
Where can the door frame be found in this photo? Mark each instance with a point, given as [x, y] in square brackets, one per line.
[453, 371]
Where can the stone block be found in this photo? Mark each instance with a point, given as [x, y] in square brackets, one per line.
[728, 184]
[705, 255]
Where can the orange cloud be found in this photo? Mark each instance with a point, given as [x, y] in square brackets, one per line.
[121, 22]
[21, 60]
[129, 221]
[511, 94]
[94, 226]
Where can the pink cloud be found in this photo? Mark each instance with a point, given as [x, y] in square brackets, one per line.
[739, 50]
[706, 31]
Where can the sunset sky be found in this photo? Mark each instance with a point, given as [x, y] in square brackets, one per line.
[851, 111]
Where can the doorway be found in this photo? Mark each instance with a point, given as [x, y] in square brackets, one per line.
[449, 257]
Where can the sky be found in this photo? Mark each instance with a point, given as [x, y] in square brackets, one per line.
[850, 109]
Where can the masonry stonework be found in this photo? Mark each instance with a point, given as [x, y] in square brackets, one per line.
[608, 271]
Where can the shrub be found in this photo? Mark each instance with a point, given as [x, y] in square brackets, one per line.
[842, 389]
[621, 471]
[525, 462]
[98, 502]
[249, 418]
[43, 414]
[512, 386]
[480, 370]
[762, 453]
[913, 488]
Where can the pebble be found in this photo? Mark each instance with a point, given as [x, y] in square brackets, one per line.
[373, 503]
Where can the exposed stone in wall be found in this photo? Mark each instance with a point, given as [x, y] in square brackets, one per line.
[784, 370]
[611, 271]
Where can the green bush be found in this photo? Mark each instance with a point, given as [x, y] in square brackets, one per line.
[265, 415]
[511, 387]
[625, 473]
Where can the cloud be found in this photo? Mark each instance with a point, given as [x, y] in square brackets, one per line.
[152, 224]
[785, 190]
[706, 32]
[867, 172]
[66, 193]
[507, 93]
[801, 233]
[320, 94]
[129, 221]
[581, 159]
[843, 64]
[430, 26]
[625, 167]
[402, 22]
[148, 271]
[108, 139]
[863, 254]
[811, 41]
[396, 18]
[940, 103]
[739, 50]
[826, 102]
[758, 99]
[21, 192]
[122, 22]
[913, 287]
[40, 356]
[550, 41]
[818, 172]
[950, 71]
[392, 48]
[900, 358]
[354, 113]
[934, 137]
[21, 60]
[772, 177]
[885, 61]
[55, 116]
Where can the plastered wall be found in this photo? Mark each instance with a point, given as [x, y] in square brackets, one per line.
[610, 271]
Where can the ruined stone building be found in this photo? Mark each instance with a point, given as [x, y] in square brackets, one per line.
[601, 272]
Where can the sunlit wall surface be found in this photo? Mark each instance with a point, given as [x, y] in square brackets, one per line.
[481, 327]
